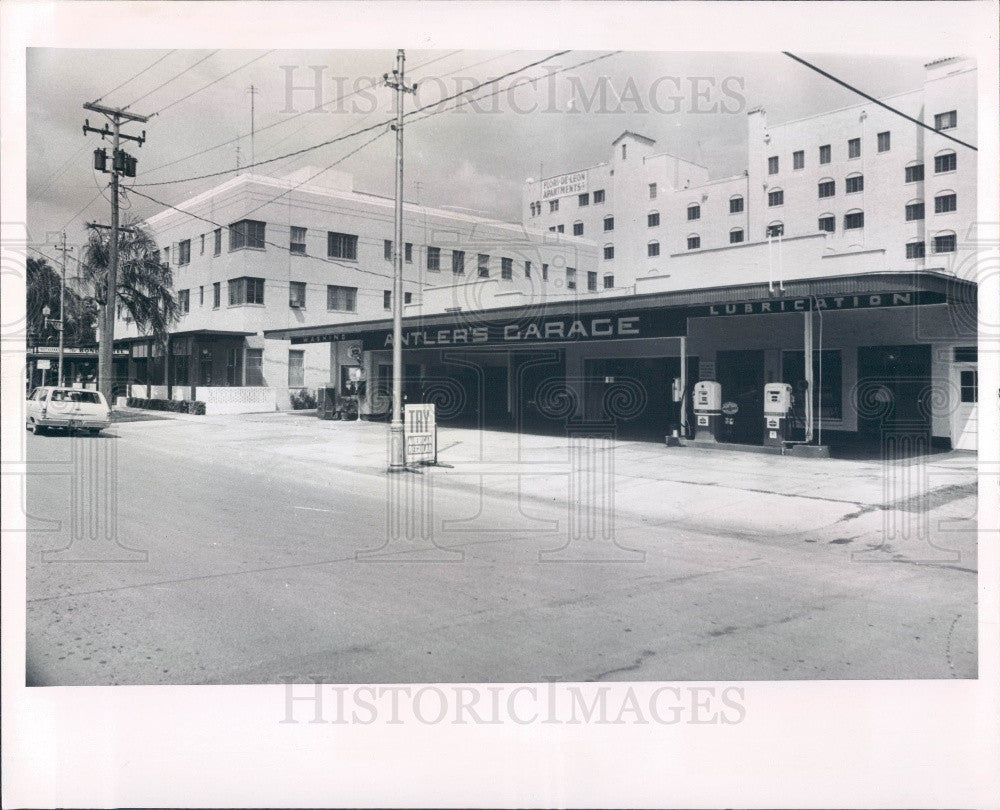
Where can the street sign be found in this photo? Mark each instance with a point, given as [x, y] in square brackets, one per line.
[419, 434]
[43, 365]
[730, 408]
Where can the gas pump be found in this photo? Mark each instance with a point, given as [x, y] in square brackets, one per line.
[707, 410]
[777, 413]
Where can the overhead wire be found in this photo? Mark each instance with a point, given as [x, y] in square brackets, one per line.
[170, 80]
[135, 76]
[214, 81]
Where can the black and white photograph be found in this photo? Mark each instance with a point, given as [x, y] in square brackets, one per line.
[514, 391]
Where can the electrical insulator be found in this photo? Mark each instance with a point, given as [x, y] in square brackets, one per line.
[120, 160]
[130, 164]
[101, 160]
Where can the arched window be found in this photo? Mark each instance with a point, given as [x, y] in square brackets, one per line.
[945, 161]
[653, 219]
[609, 251]
[854, 183]
[735, 235]
[916, 249]
[944, 242]
[914, 210]
[827, 187]
[694, 211]
[914, 171]
[578, 228]
[854, 219]
[736, 204]
[653, 249]
[693, 241]
[945, 202]
[827, 222]
[775, 228]
[775, 197]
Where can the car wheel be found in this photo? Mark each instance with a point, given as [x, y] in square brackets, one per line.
[36, 428]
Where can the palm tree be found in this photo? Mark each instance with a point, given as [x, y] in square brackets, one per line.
[145, 285]
[43, 291]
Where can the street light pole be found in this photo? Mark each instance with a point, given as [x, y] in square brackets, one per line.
[62, 311]
[397, 460]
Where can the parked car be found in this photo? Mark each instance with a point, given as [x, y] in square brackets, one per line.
[66, 409]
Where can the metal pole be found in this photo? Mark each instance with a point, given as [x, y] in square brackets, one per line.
[683, 411]
[808, 346]
[62, 312]
[105, 362]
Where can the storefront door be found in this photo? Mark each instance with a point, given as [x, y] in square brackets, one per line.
[741, 374]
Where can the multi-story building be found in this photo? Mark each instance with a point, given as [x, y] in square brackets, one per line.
[840, 263]
[258, 253]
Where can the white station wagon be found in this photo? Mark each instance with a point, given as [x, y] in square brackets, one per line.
[67, 409]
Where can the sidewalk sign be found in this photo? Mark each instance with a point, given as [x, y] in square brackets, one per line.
[419, 434]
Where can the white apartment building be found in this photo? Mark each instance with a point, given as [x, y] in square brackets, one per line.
[258, 253]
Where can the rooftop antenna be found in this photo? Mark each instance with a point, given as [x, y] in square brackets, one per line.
[253, 91]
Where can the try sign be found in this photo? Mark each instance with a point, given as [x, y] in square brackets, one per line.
[419, 434]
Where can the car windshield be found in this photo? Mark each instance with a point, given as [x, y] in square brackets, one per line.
[88, 397]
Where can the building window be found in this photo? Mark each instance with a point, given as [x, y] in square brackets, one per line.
[798, 160]
[599, 196]
[433, 258]
[775, 229]
[945, 162]
[827, 188]
[532, 207]
[694, 242]
[945, 202]
[297, 240]
[609, 282]
[609, 223]
[570, 278]
[387, 249]
[969, 385]
[884, 141]
[296, 368]
[545, 272]
[341, 246]
[591, 281]
[527, 269]
[218, 241]
[914, 211]
[624, 151]
[584, 200]
[297, 294]
[653, 249]
[915, 173]
[577, 229]
[506, 268]
[694, 212]
[560, 229]
[407, 298]
[255, 367]
[825, 154]
[854, 148]
[184, 301]
[944, 243]
[854, 220]
[609, 251]
[201, 296]
[946, 120]
[735, 205]
[341, 299]
[775, 198]
[184, 252]
[483, 265]
[202, 250]
[458, 262]
[772, 164]
[854, 183]
[653, 219]
[216, 295]
[553, 206]
[247, 233]
[916, 250]
[735, 236]
[652, 191]
[246, 290]
[827, 223]
[386, 299]
[408, 252]
[965, 354]
[828, 367]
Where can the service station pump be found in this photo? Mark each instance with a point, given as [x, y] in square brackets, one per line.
[777, 413]
[707, 410]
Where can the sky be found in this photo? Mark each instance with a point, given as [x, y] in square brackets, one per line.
[474, 159]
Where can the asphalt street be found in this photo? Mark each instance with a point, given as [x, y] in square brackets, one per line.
[236, 550]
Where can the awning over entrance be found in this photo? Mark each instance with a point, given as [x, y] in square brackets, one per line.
[644, 316]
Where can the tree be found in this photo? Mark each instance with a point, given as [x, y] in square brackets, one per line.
[43, 291]
[145, 291]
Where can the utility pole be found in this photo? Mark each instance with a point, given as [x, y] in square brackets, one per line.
[121, 163]
[397, 459]
[62, 310]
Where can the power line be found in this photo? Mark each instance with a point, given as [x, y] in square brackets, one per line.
[366, 129]
[136, 76]
[874, 100]
[168, 81]
[214, 81]
[436, 59]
